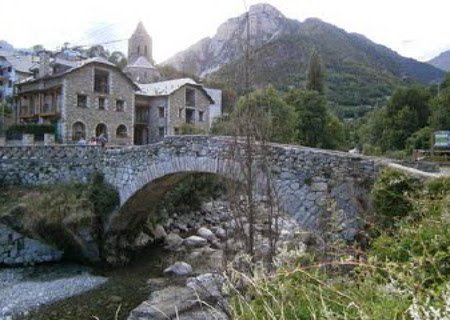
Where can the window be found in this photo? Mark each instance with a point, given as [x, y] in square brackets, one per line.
[190, 97]
[10, 83]
[9, 69]
[120, 105]
[121, 131]
[176, 131]
[101, 103]
[101, 129]
[101, 81]
[161, 132]
[1, 83]
[180, 113]
[78, 131]
[161, 112]
[190, 116]
[81, 101]
[201, 116]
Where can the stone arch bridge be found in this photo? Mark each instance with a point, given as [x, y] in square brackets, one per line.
[305, 179]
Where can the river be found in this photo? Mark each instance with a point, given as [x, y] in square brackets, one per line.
[125, 289]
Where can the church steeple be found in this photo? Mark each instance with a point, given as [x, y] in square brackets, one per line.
[140, 45]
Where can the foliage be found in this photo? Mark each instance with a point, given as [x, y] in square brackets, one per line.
[400, 125]
[421, 139]
[315, 77]
[187, 128]
[440, 114]
[405, 276]
[269, 113]
[119, 59]
[391, 196]
[16, 131]
[191, 192]
[53, 212]
[103, 196]
[316, 126]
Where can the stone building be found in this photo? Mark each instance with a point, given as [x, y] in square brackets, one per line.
[13, 67]
[141, 66]
[164, 108]
[82, 99]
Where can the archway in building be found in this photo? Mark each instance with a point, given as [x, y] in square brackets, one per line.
[78, 131]
[101, 128]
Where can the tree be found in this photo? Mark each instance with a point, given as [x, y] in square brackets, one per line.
[416, 98]
[278, 117]
[440, 114]
[119, 59]
[312, 112]
[316, 76]
[37, 48]
[97, 51]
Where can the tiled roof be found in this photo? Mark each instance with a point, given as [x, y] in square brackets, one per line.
[78, 65]
[142, 63]
[164, 88]
[20, 63]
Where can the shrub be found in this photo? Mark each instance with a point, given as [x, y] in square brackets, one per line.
[391, 196]
[15, 132]
[103, 196]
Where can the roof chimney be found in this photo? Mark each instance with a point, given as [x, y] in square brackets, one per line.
[44, 64]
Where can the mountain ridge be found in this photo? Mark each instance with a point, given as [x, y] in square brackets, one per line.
[280, 51]
[442, 61]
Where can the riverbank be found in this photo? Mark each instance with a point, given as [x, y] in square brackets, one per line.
[25, 289]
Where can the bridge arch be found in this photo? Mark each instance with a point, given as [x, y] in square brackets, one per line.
[147, 186]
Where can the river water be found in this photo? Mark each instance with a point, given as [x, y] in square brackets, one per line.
[125, 289]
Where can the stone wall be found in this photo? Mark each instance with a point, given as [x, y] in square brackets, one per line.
[16, 249]
[82, 82]
[37, 165]
[177, 101]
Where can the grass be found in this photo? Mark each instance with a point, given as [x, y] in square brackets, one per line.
[405, 273]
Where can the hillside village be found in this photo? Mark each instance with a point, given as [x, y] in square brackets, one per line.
[84, 98]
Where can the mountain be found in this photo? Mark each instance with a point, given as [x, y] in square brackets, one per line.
[359, 71]
[209, 54]
[442, 61]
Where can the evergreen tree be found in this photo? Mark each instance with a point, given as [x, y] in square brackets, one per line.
[316, 76]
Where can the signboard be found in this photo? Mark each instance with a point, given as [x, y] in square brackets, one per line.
[442, 139]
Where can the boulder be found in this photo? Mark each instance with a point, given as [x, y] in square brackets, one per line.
[142, 240]
[178, 269]
[159, 233]
[206, 234]
[165, 304]
[195, 242]
[221, 233]
[173, 241]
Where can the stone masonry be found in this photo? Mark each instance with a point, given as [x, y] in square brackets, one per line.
[16, 249]
[306, 179]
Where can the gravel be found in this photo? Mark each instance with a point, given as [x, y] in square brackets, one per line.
[21, 291]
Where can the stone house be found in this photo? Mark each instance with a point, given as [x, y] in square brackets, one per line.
[82, 99]
[163, 108]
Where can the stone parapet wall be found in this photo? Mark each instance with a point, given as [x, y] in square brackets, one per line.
[35, 165]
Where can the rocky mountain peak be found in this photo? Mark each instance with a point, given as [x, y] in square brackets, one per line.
[265, 9]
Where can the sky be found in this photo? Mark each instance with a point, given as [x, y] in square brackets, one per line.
[414, 28]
